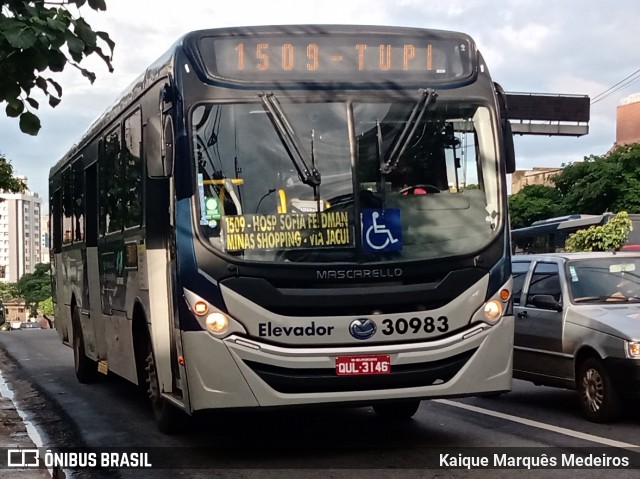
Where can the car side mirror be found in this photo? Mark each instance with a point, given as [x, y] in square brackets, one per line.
[546, 301]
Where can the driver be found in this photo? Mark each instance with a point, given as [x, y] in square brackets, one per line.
[403, 179]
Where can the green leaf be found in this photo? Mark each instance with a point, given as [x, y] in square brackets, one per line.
[84, 32]
[88, 74]
[75, 44]
[56, 24]
[29, 123]
[21, 37]
[79, 3]
[34, 104]
[105, 38]
[53, 101]
[13, 110]
[57, 61]
[98, 4]
[42, 84]
[55, 85]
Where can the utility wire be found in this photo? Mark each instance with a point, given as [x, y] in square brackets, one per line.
[628, 80]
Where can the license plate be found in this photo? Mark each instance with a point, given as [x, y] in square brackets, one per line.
[358, 365]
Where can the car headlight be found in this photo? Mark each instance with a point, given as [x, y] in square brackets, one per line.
[632, 349]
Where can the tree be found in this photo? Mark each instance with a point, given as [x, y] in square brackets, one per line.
[46, 307]
[602, 183]
[533, 203]
[610, 236]
[8, 182]
[41, 35]
[35, 287]
[8, 291]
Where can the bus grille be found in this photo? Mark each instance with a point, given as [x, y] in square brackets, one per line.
[297, 381]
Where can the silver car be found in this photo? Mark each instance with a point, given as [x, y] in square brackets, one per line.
[578, 326]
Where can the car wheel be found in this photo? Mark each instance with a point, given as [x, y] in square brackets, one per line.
[397, 411]
[599, 400]
[86, 369]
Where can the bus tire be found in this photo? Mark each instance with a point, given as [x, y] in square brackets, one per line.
[86, 369]
[599, 399]
[168, 418]
[397, 410]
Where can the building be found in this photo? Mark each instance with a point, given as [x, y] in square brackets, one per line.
[628, 120]
[15, 310]
[20, 234]
[539, 175]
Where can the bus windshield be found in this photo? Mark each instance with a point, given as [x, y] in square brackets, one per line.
[345, 181]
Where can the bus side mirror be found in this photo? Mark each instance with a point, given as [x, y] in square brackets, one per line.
[546, 301]
[160, 149]
[160, 137]
[509, 149]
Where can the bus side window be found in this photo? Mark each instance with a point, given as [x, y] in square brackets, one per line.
[91, 206]
[78, 200]
[132, 159]
[67, 205]
[110, 181]
[56, 222]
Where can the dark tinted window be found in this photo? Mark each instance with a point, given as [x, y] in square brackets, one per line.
[519, 270]
[545, 280]
[132, 160]
[78, 200]
[67, 205]
[111, 210]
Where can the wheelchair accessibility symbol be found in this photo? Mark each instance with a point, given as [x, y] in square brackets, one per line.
[381, 230]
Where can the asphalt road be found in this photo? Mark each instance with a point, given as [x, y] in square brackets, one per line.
[305, 443]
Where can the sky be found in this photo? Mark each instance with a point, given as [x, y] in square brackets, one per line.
[570, 47]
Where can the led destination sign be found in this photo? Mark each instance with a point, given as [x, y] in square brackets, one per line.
[287, 231]
[339, 57]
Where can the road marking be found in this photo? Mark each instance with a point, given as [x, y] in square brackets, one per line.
[541, 425]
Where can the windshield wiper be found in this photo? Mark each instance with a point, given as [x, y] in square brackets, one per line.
[427, 97]
[308, 175]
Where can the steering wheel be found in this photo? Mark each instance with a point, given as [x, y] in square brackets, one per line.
[410, 190]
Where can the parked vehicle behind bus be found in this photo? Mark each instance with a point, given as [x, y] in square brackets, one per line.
[577, 326]
[549, 236]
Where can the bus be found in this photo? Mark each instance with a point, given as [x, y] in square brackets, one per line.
[297, 215]
[550, 235]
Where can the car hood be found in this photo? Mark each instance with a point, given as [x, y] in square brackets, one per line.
[621, 320]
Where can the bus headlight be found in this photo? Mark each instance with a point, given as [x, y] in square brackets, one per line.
[494, 307]
[633, 349]
[217, 323]
[210, 318]
[493, 310]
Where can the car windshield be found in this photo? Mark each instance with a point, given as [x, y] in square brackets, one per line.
[613, 279]
[345, 181]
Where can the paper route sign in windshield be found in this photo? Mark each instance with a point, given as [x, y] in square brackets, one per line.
[326, 229]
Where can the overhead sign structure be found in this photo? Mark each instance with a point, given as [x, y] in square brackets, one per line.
[547, 114]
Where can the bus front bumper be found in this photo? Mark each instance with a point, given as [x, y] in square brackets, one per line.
[239, 372]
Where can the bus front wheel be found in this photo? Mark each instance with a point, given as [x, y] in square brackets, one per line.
[167, 416]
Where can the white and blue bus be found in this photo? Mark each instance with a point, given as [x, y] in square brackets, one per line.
[275, 216]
